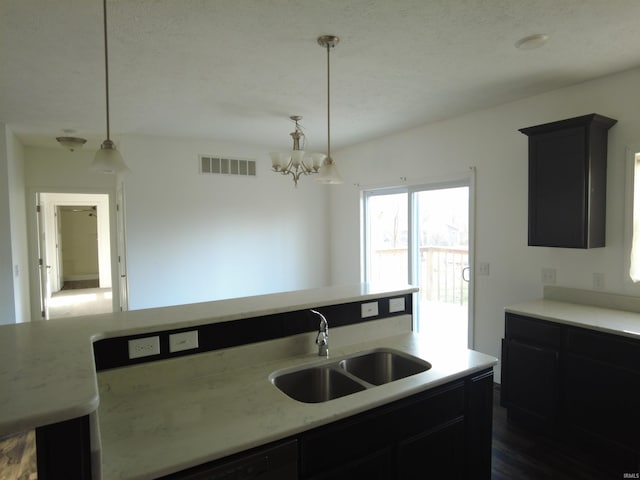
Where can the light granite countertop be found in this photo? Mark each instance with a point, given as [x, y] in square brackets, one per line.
[47, 372]
[164, 417]
[608, 320]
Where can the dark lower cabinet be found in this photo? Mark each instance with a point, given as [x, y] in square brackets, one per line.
[63, 450]
[442, 433]
[582, 385]
[443, 446]
[532, 390]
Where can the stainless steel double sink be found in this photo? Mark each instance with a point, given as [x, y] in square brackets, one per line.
[354, 373]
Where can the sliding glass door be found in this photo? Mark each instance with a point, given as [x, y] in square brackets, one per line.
[422, 235]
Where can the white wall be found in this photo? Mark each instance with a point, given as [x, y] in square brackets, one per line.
[19, 249]
[490, 141]
[14, 278]
[194, 238]
[7, 303]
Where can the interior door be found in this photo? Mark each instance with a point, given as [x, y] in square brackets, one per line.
[43, 267]
[123, 284]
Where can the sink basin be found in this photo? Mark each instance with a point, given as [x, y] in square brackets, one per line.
[316, 384]
[340, 377]
[383, 366]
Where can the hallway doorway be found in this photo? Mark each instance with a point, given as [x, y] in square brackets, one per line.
[74, 254]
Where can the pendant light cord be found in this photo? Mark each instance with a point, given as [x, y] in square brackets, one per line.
[328, 103]
[106, 64]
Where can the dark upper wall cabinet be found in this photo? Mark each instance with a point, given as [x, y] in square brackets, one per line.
[568, 182]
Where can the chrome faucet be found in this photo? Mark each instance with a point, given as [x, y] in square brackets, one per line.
[322, 340]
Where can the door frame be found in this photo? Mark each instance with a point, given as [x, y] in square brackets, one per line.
[463, 179]
[33, 233]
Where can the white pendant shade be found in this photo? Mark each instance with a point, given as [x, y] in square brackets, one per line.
[108, 160]
[329, 174]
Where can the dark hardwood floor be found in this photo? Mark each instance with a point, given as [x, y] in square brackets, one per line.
[523, 455]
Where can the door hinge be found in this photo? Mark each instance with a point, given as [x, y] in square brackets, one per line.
[43, 315]
[40, 261]
[37, 208]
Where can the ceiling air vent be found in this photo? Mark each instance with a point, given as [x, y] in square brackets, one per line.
[227, 166]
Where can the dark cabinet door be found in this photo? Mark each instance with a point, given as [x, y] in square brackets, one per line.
[479, 426]
[603, 401]
[429, 435]
[558, 188]
[532, 376]
[434, 454]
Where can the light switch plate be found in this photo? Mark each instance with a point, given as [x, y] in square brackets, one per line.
[183, 341]
[396, 304]
[369, 309]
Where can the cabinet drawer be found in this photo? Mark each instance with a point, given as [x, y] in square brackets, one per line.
[529, 330]
[609, 349]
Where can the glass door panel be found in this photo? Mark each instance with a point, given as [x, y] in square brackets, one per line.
[387, 238]
[440, 262]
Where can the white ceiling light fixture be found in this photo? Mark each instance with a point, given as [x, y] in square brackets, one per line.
[328, 173]
[296, 162]
[532, 41]
[70, 142]
[107, 159]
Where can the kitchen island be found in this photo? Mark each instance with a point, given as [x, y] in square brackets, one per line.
[164, 413]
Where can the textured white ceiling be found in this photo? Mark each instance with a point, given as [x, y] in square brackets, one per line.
[235, 70]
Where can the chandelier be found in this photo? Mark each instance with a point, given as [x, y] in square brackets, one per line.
[296, 162]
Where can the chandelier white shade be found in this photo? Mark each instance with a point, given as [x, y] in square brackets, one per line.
[107, 159]
[296, 162]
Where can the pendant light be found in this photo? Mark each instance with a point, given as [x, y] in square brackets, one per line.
[328, 173]
[107, 159]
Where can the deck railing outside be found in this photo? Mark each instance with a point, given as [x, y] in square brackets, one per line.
[440, 275]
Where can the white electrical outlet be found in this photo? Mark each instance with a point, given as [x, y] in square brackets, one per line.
[549, 276]
[483, 268]
[183, 341]
[598, 281]
[369, 309]
[144, 347]
[396, 304]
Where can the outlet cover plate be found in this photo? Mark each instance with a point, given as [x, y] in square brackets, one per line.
[549, 276]
[144, 347]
